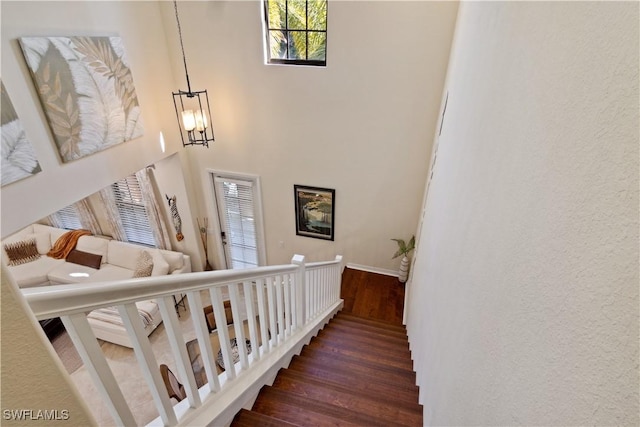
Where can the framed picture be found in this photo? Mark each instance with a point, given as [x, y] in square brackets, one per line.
[86, 90]
[18, 154]
[315, 208]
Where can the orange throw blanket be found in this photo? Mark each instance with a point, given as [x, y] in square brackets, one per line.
[66, 243]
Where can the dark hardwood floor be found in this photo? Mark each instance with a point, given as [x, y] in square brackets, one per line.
[356, 372]
[372, 296]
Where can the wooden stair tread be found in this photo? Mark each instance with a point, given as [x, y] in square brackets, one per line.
[376, 323]
[358, 366]
[371, 356]
[402, 334]
[246, 418]
[381, 347]
[302, 410]
[395, 391]
[371, 403]
[358, 330]
[356, 372]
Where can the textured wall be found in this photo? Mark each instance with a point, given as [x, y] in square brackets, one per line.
[31, 379]
[524, 301]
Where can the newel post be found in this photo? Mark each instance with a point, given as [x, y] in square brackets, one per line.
[300, 290]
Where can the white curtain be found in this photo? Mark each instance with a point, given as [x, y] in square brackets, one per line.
[87, 217]
[112, 214]
[158, 226]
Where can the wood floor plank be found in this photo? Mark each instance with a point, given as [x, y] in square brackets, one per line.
[372, 295]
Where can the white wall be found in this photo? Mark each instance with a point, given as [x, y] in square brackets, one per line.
[59, 184]
[361, 126]
[524, 300]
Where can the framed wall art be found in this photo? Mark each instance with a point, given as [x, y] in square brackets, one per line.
[315, 209]
[86, 90]
[18, 154]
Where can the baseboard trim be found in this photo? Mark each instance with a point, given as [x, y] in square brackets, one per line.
[373, 269]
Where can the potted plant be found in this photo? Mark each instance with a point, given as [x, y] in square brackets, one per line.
[403, 250]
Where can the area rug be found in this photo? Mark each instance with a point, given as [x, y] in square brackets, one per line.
[67, 352]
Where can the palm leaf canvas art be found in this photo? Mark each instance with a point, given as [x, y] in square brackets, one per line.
[18, 155]
[86, 89]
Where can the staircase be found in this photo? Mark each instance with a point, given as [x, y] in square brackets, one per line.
[356, 371]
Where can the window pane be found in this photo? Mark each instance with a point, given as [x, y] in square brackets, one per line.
[68, 218]
[277, 44]
[297, 45]
[296, 31]
[317, 46]
[317, 10]
[297, 15]
[277, 14]
[133, 214]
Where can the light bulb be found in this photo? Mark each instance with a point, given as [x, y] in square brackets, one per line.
[201, 121]
[188, 120]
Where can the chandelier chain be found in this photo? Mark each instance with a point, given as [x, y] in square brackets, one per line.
[184, 58]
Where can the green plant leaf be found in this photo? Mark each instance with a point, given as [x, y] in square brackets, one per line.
[403, 247]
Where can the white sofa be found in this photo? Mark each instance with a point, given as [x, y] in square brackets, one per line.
[118, 262]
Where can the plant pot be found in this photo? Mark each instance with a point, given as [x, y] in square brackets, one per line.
[404, 270]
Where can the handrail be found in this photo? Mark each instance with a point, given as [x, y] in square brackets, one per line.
[320, 264]
[285, 306]
[56, 300]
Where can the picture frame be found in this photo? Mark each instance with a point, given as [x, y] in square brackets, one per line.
[86, 89]
[315, 211]
[19, 159]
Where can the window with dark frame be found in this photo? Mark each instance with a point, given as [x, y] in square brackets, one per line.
[296, 31]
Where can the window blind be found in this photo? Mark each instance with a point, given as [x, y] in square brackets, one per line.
[68, 218]
[133, 213]
[236, 199]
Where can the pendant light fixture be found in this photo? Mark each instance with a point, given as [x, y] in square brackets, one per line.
[192, 107]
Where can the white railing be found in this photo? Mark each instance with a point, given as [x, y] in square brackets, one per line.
[285, 306]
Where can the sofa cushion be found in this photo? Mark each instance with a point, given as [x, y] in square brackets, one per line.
[123, 254]
[175, 259]
[93, 245]
[85, 258]
[144, 265]
[160, 265]
[68, 272]
[43, 241]
[74, 273]
[41, 228]
[34, 273]
[56, 233]
[21, 252]
[112, 272]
